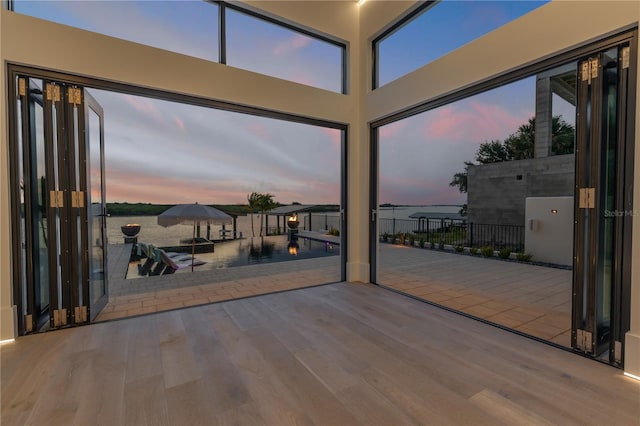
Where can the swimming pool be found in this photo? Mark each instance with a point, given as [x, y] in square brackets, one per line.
[257, 250]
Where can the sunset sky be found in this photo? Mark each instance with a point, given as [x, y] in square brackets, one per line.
[164, 152]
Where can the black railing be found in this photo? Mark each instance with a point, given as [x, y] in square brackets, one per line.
[319, 222]
[455, 232]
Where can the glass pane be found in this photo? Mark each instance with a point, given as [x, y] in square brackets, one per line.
[161, 153]
[39, 193]
[76, 215]
[609, 188]
[96, 233]
[472, 212]
[441, 29]
[280, 52]
[188, 27]
[22, 204]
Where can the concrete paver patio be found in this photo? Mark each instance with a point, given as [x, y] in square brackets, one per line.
[532, 299]
[130, 297]
[535, 300]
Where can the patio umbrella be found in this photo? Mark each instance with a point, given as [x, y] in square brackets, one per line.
[193, 213]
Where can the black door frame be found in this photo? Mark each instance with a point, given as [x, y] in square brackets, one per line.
[590, 172]
[627, 131]
[13, 70]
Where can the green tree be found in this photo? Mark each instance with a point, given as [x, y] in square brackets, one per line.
[521, 145]
[259, 202]
[518, 146]
[491, 152]
[562, 136]
[254, 200]
[265, 203]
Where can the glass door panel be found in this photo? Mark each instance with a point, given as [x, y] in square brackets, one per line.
[57, 269]
[98, 289]
[600, 206]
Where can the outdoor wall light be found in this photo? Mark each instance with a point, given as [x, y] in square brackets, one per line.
[554, 211]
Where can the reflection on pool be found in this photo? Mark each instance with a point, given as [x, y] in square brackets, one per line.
[251, 251]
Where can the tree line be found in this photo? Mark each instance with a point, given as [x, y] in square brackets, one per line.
[518, 146]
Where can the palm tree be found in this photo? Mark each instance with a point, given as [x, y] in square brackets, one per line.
[265, 202]
[254, 200]
[261, 203]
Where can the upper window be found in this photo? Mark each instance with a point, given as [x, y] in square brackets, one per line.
[437, 28]
[258, 45]
[215, 31]
[187, 27]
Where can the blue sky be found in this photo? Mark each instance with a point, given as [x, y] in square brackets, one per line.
[183, 153]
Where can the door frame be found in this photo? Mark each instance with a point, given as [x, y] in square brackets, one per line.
[628, 35]
[65, 170]
[89, 104]
[588, 249]
[14, 69]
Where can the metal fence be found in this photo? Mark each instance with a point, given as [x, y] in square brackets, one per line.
[319, 222]
[455, 232]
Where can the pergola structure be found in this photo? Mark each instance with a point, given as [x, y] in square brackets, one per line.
[284, 211]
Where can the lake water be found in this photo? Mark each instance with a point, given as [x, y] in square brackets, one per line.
[152, 233]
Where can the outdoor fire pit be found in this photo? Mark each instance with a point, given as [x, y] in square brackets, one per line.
[293, 222]
[130, 231]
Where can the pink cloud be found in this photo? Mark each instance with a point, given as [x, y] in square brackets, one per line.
[335, 136]
[474, 124]
[144, 105]
[291, 44]
[391, 130]
[259, 130]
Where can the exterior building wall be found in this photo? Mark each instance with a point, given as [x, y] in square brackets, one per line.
[497, 192]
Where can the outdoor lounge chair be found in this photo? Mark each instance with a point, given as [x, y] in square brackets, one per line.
[172, 265]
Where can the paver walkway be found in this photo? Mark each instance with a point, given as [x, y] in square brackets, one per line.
[185, 288]
[533, 299]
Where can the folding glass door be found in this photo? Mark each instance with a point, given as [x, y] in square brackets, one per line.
[58, 194]
[603, 205]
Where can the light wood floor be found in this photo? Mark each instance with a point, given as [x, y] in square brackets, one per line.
[340, 354]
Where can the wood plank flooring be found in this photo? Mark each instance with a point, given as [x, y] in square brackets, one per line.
[340, 354]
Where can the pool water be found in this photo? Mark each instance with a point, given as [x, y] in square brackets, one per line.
[251, 251]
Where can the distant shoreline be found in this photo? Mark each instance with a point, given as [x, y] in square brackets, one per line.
[148, 209]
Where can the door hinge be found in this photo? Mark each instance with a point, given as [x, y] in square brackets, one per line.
[590, 69]
[80, 314]
[617, 351]
[583, 341]
[59, 317]
[626, 51]
[22, 86]
[77, 199]
[28, 323]
[53, 92]
[74, 95]
[56, 199]
[587, 198]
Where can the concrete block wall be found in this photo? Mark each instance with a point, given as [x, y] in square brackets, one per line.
[497, 192]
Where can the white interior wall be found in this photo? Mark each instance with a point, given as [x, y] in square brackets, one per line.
[546, 31]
